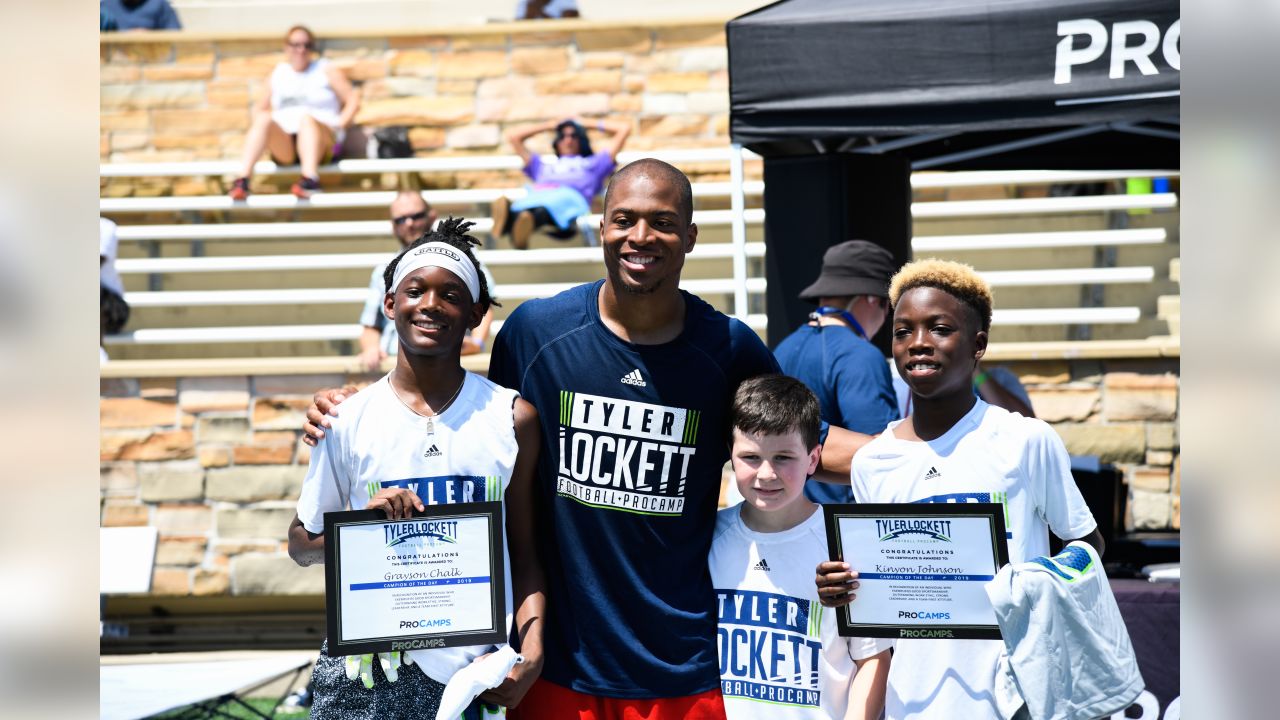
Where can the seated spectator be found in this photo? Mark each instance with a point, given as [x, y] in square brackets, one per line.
[546, 9]
[562, 190]
[301, 116]
[137, 15]
[113, 310]
[411, 217]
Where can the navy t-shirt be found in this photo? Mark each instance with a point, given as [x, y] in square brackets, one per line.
[634, 440]
[852, 382]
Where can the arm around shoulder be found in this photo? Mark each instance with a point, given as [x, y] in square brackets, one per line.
[837, 454]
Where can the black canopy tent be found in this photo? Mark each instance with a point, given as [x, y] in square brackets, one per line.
[844, 98]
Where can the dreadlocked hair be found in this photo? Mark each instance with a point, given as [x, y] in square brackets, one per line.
[451, 232]
[956, 279]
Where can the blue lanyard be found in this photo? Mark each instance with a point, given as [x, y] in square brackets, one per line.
[845, 315]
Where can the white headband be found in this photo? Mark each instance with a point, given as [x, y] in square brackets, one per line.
[441, 255]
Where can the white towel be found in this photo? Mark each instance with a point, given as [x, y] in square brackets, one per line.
[1067, 652]
[467, 684]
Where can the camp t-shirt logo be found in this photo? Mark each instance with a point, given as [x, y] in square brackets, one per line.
[769, 647]
[625, 455]
[1002, 498]
[446, 489]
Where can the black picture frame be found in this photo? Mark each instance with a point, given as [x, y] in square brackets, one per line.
[495, 634]
[994, 512]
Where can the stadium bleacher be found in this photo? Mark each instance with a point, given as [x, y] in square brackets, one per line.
[209, 279]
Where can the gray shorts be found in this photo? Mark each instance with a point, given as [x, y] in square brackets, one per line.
[412, 695]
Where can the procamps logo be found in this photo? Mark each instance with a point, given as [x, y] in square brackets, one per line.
[923, 615]
[424, 623]
[433, 532]
[1132, 43]
[896, 528]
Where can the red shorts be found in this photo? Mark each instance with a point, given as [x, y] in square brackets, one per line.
[548, 701]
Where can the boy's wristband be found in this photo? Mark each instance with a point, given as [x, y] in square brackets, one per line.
[979, 379]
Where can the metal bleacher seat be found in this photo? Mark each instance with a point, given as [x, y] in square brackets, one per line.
[710, 254]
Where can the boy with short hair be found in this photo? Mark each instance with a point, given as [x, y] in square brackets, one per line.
[955, 448]
[781, 655]
[429, 432]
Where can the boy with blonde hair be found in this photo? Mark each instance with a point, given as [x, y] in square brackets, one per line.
[956, 448]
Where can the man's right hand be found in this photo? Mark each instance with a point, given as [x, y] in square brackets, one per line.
[836, 583]
[324, 405]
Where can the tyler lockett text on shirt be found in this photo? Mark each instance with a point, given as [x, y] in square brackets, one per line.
[625, 455]
[769, 647]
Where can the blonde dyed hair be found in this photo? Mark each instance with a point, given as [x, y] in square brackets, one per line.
[956, 279]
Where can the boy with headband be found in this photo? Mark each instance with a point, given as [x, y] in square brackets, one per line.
[428, 432]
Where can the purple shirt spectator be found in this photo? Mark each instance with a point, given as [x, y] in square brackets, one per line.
[584, 174]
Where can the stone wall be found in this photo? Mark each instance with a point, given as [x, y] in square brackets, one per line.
[1125, 413]
[188, 97]
[216, 464]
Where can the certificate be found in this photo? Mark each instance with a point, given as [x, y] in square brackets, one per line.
[431, 581]
[921, 568]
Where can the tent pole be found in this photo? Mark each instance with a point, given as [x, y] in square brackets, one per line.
[738, 206]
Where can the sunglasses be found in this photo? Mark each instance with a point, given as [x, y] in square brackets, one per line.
[410, 218]
[301, 45]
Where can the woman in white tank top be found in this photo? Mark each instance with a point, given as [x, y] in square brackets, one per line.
[301, 116]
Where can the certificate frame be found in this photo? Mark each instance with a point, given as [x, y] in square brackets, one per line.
[995, 533]
[343, 642]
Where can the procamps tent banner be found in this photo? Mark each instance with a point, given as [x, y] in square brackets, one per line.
[840, 68]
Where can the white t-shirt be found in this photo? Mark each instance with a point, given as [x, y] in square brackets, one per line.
[295, 95]
[990, 455]
[781, 655]
[377, 442]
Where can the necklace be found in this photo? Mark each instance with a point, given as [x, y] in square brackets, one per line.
[431, 428]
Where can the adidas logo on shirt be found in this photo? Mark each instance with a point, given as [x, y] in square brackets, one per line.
[432, 451]
[933, 473]
[762, 565]
[633, 378]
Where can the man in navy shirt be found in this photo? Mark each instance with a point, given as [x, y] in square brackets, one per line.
[833, 354]
[632, 378]
[139, 15]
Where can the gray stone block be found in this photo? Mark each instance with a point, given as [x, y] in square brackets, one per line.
[253, 574]
[177, 481]
[251, 483]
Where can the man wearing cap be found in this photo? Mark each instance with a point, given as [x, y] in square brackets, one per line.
[833, 354]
